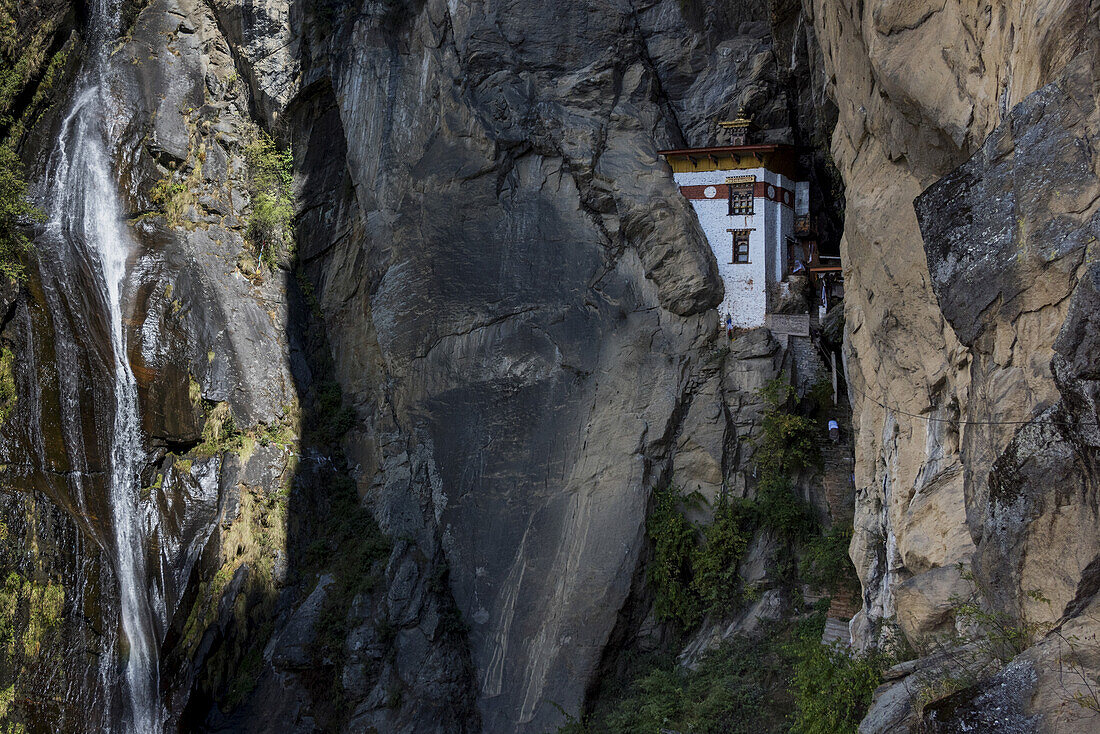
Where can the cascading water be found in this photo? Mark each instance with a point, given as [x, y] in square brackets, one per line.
[86, 222]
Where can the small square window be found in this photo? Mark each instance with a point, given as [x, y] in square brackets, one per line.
[740, 246]
[740, 201]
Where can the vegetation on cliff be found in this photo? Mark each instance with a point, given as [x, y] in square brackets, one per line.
[31, 613]
[270, 227]
[32, 62]
[15, 212]
[8, 395]
[784, 680]
[694, 571]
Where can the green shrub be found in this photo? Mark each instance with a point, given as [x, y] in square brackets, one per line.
[735, 689]
[787, 515]
[832, 688]
[821, 395]
[788, 441]
[997, 635]
[670, 572]
[715, 561]
[270, 177]
[782, 681]
[15, 211]
[825, 564]
[219, 432]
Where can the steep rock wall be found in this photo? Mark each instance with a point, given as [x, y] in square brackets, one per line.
[959, 381]
[902, 126]
[516, 302]
[529, 324]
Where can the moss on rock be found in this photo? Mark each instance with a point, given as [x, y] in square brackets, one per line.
[8, 394]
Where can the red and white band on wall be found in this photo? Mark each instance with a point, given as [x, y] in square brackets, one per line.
[721, 192]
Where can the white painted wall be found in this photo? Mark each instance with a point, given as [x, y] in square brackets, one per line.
[746, 298]
[802, 198]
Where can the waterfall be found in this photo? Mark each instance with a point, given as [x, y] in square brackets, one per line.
[86, 224]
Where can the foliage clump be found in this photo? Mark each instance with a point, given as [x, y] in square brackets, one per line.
[219, 432]
[170, 197]
[727, 692]
[670, 572]
[781, 682]
[832, 688]
[716, 582]
[8, 394]
[787, 443]
[349, 548]
[825, 564]
[694, 570]
[270, 230]
[16, 211]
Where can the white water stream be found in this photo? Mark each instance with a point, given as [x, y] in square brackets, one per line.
[84, 208]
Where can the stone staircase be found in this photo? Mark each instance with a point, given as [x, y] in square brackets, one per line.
[838, 482]
[836, 631]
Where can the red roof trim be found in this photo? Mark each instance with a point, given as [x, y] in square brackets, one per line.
[769, 148]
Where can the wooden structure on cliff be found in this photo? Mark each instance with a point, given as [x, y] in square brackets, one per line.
[748, 199]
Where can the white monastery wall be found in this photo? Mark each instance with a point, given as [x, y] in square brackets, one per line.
[746, 284]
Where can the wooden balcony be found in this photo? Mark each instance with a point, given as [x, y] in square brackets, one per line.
[804, 226]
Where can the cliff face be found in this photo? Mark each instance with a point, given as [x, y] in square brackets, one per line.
[497, 336]
[493, 332]
[517, 304]
[972, 440]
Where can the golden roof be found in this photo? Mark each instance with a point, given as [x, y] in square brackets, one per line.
[742, 120]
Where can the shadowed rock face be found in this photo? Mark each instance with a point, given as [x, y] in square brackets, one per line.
[526, 287]
[515, 294]
[518, 297]
[517, 303]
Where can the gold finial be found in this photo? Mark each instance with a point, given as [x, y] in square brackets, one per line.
[743, 122]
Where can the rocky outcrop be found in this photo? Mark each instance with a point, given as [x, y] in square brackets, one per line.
[961, 398]
[495, 335]
[495, 272]
[1012, 229]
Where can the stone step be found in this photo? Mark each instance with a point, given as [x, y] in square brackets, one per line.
[836, 630]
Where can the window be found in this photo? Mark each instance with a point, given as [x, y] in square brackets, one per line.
[740, 245]
[740, 198]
